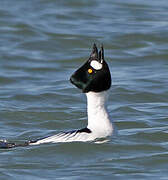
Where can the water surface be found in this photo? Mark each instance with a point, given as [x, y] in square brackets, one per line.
[41, 43]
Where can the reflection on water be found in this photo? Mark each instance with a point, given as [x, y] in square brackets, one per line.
[41, 43]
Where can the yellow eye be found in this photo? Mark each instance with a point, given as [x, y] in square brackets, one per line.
[90, 71]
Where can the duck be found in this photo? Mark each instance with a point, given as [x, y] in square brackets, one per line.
[94, 79]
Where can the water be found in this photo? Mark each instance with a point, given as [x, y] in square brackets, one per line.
[41, 43]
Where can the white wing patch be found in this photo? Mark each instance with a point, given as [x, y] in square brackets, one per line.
[96, 65]
[73, 136]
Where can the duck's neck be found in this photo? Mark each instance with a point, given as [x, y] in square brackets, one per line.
[98, 117]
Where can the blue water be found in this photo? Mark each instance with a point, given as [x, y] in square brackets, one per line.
[42, 43]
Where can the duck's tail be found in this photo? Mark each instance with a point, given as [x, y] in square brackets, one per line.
[7, 145]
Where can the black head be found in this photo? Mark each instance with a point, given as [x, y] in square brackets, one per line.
[94, 75]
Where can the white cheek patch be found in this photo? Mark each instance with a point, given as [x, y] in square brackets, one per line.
[96, 65]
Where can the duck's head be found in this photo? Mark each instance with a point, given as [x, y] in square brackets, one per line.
[94, 75]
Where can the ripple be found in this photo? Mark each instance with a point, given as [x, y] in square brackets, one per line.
[6, 80]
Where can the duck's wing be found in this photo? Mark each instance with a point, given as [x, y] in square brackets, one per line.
[69, 136]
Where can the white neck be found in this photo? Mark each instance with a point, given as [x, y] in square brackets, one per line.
[98, 117]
